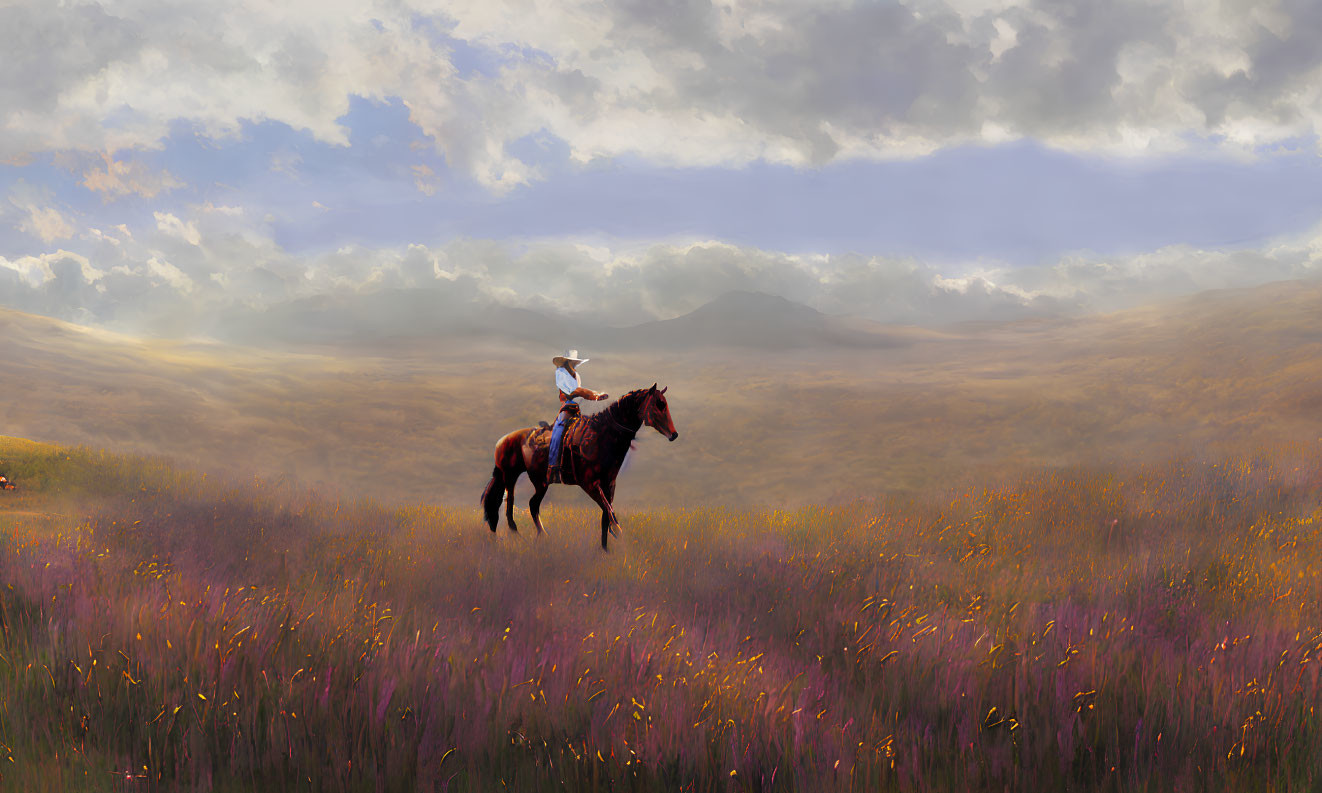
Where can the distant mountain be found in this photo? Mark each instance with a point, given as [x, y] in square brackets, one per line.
[735, 319]
[758, 320]
[388, 315]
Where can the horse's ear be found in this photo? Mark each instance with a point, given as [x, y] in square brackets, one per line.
[664, 389]
[653, 386]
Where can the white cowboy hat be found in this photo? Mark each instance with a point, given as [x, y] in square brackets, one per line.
[570, 356]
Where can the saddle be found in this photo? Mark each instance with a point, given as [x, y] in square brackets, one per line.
[571, 410]
[573, 437]
[575, 429]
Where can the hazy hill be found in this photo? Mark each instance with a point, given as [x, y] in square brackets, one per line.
[415, 317]
[752, 319]
[389, 315]
[785, 422]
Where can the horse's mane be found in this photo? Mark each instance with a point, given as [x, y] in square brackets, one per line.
[618, 410]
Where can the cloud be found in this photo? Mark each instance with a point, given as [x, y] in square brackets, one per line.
[1115, 283]
[424, 179]
[724, 82]
[173, 226]
[286, 162]
[58, 267]
[169, 274]
[207, 271]
[115, 178]
[36, 216]
[46, 224]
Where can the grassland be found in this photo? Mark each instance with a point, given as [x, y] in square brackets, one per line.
[1217, 375]
[1154, 627]
[1052, 555]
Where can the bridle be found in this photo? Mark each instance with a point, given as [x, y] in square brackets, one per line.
[642, 415]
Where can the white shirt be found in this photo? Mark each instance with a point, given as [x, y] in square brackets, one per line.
[566, 380]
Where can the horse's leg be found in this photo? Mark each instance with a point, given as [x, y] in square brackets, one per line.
[509, 501]
[534, 462]
[608, 489]
[609, 524]
[535, 504]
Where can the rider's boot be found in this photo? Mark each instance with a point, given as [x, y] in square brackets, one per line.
[553, 475]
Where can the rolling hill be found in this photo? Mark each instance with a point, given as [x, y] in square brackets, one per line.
[765, 323]
[776, 403]
[393, 318]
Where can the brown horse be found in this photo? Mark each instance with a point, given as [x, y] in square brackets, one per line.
[591, 456]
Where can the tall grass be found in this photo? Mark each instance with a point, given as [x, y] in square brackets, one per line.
[1085, 629]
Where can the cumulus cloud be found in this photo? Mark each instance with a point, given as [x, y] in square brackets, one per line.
[211, 270]
[169, 274]
[47, 267]
[114, 178]
[60, 284]
[36, 216]
[46, 223]
[694, 83]
[173, 226]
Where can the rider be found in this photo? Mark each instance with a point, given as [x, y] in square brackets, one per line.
[571, 388]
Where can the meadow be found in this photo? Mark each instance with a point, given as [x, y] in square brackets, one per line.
[1146, 627]
[415, 420]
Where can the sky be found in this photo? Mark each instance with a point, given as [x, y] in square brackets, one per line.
[168, 169]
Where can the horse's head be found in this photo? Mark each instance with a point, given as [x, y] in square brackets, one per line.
[655, 413]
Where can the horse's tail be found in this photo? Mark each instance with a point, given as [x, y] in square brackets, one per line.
[492, 496]
[509, 464]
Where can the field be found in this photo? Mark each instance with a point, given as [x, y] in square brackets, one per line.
[1060, 554]
[1152, 627]
[416, 420]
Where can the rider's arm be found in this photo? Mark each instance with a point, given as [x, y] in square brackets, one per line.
[585, 393]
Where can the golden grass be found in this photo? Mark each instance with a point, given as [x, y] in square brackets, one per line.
[1090, 628]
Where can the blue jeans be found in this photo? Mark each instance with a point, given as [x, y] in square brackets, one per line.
[558, 434]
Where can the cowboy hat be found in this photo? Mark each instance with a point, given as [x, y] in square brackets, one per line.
[570, 356]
